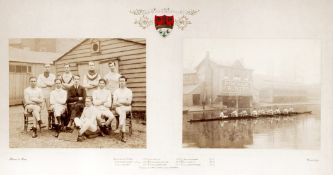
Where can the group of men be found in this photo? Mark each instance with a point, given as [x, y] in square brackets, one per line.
[88, 105]
[259, 112]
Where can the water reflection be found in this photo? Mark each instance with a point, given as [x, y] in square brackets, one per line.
[298, 132]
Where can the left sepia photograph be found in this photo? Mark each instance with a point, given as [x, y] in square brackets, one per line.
[77, 93]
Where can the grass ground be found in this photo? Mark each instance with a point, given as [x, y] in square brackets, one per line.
[20, 139]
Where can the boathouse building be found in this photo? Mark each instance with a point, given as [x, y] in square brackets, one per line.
[230, 86]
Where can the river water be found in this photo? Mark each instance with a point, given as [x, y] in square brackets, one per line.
[292, 132]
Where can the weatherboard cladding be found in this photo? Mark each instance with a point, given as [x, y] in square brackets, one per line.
[131, 55]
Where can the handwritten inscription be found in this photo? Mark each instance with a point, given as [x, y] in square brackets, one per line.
[18, 158]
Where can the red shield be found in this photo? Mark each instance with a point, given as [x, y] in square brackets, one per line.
[164, 22]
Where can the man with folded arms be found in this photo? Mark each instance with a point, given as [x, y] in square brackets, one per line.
[58, 99]
[102, 102]
[90, 80]
[33, 100]
[75, 100]
[45, 81]
[67, 78]
[122, 99]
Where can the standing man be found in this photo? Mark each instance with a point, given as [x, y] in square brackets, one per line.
[45, 81]
[88, 120]
[58, 99]
[122, 99]
[67, 78]
[102, 101]
[76, 96]
[112, 78]
[90, 80]
[33, 100]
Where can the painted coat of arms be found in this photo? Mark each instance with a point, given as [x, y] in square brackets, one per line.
[164, 19]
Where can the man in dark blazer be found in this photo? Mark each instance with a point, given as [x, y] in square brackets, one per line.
[76, 96]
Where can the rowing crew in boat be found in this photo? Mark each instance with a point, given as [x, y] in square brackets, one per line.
[254, 113]
[234, 115]
[260, 112]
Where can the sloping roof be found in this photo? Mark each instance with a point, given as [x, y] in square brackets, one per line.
[188, 89]
[237, 64]
[136, 40]
[28, 56]
[189, 71]
[139, 41]
[77, 45]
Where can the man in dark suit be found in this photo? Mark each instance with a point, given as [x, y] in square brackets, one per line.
[75, 100]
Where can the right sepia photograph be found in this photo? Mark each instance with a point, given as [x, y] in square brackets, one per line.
[251, 93]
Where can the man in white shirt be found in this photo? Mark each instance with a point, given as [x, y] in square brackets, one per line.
[67, 77]
[88, 119]
[102, 101]
[58, 99]
[112, 78]
[45, 81]
[122, 99]
[90, 80]
[33, 100]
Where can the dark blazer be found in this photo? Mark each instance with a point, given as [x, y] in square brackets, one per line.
[73, 94]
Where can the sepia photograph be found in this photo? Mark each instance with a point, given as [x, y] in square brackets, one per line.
[251, 93]
[151, 87]
[77, 93]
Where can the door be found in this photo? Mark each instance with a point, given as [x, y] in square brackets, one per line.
[196, 99]
[104, 67]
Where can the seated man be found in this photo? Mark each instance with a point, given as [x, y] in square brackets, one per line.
[270, 112]
[277, 111]
[261, 112]
[243, 113]
[122, 99]
[58, 99]
[234, 113]
[88, 120]
[222, 114]
[33, 100]
[254, 113]
[75, 100]
[291, 110]
[102, 102]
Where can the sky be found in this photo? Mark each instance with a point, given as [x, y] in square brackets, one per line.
[293, 59]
